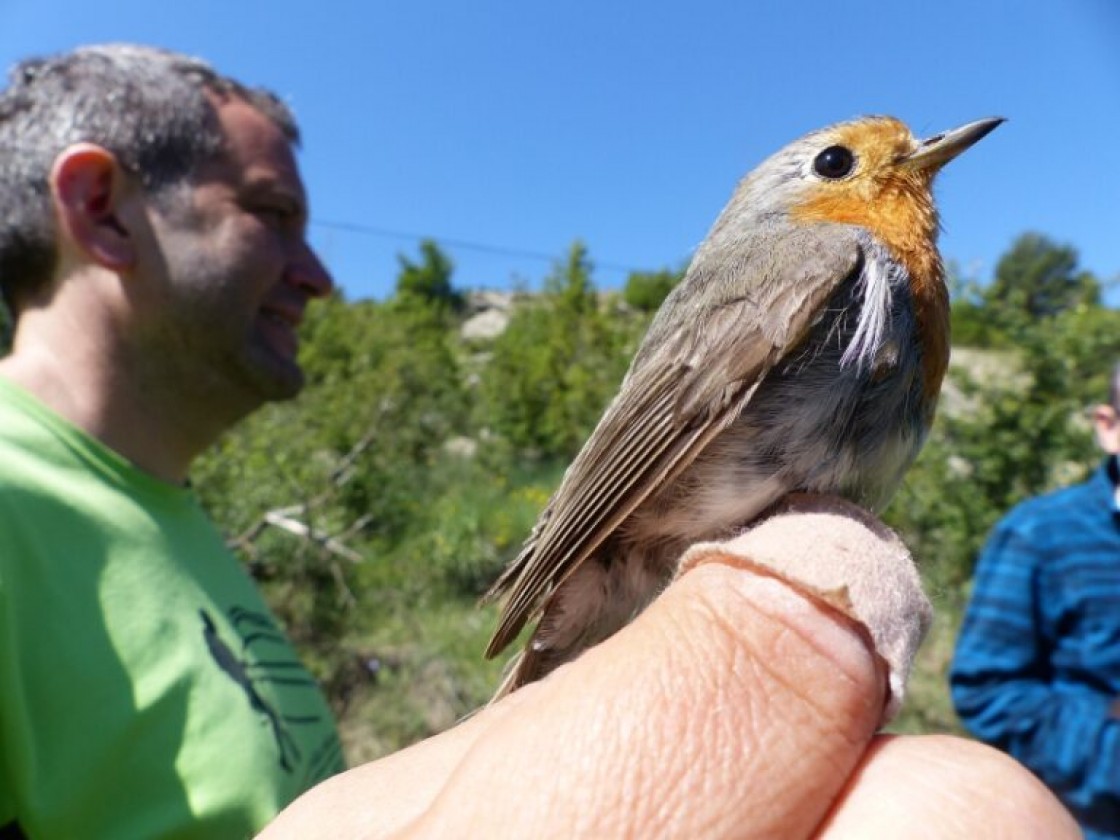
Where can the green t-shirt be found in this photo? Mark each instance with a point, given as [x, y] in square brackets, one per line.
[145, 690]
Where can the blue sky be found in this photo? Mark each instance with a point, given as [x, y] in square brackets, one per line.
[506, 130]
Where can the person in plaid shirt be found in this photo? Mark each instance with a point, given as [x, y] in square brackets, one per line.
[1037, 665]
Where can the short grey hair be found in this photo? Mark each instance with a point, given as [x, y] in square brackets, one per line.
[152, 109]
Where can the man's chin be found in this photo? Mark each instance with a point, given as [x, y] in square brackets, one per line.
[275, 377]
[286, 387]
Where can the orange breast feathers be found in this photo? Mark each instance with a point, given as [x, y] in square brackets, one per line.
[895, 204]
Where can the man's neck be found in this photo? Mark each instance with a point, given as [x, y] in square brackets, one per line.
[160, 432]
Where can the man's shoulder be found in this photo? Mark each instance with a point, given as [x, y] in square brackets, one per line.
[1057, 512]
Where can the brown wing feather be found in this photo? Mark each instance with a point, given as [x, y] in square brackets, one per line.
[684, 387]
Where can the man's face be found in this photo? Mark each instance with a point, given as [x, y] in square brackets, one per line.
[234, 267]
[1106, 424]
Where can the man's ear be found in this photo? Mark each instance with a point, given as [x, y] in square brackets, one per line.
[87, 186]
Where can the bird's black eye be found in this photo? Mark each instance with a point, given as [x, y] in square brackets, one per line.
[834, 162]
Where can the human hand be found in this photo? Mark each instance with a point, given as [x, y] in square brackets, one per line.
[742, 703]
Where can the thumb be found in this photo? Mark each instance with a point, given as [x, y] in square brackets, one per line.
[737, 705]
[839, 554]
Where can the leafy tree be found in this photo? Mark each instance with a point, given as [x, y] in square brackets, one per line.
[646, 290]
[570, 281]
[1035, 280]
[557, 364]
[428, 280]
[971, 326]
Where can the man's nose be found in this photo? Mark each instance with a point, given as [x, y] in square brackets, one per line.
[309, 275]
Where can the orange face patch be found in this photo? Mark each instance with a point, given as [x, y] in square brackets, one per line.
[893, 202]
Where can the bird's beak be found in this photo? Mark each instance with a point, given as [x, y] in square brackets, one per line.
[936, 151]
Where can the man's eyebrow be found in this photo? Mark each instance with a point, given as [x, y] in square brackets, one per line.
[273, 189]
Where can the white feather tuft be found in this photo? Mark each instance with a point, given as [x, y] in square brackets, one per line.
[875, 286]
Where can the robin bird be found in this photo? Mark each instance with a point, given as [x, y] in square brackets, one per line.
[802, 352]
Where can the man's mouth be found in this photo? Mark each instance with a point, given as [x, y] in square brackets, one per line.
[281, 329]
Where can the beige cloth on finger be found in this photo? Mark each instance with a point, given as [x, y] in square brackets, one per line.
[838, 554]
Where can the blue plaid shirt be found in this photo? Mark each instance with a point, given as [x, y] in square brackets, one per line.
[1037, 667]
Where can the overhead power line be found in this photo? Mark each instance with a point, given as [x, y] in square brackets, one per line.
[467, 245]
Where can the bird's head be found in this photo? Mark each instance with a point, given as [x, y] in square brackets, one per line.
[871, 172]
[874, 173]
